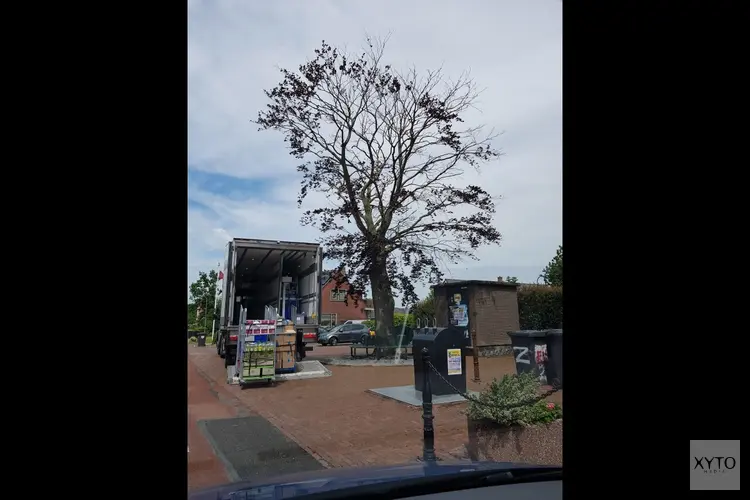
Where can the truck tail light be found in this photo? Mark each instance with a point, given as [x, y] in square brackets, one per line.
[233, 337]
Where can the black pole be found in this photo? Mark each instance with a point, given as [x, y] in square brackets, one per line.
[300, 344]
[428, 451]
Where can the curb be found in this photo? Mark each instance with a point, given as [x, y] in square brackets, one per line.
[362, 362]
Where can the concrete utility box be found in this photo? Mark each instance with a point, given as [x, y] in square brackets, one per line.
[489, 307]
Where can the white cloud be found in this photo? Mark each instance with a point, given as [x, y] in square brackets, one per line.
[513, 49]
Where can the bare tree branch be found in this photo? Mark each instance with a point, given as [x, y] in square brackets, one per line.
[385, 147]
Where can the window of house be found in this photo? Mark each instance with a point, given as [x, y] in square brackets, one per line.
[370, 313]
[328, 319]
[338, 295]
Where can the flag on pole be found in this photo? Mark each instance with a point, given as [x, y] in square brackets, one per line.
[221, 275]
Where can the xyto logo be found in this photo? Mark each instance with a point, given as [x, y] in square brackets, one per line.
[714, 465]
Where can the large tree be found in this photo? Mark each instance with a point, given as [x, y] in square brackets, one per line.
[552, 274]
[424, 310]
[387, 149]
[203, 296]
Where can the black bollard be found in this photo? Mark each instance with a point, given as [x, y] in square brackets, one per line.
[428, 451]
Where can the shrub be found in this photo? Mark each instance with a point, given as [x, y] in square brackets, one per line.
[197, 327]
[398, 320]
[425, 308]
[514, 389]
[194, 338]
[540, 307]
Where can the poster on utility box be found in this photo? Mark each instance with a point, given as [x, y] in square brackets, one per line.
[454, 361]
[458, 310]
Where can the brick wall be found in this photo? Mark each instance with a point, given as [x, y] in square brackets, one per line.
[441, 309]
[494, 312]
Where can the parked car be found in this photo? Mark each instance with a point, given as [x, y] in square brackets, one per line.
[345, 333]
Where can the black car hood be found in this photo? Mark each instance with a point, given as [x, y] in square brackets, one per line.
[303, 483]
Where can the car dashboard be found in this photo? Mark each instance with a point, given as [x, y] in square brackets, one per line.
[543, 490]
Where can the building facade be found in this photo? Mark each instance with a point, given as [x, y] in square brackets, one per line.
[337, 306]
[488, 307]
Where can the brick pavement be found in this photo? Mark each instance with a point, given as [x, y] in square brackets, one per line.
[341, 424]
[204, 468]
[320, 351]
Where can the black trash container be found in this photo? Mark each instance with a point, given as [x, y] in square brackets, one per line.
[201, 340]
[530, 352]
[554, 348]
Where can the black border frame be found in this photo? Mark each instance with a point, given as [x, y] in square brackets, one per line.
[106, 92]
[654, 106]
[647, 87]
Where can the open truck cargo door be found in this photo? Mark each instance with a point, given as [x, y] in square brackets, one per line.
[226, 295]
[309, 296]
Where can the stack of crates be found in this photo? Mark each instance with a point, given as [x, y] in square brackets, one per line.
[258, 354]
[286, 347]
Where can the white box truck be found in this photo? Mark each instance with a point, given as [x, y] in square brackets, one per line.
[270, 278]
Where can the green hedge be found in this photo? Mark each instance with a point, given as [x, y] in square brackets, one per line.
[540, 307]
[193, 340]
[398, 320]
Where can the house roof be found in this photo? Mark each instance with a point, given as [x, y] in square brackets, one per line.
[497, 284]
[325, 277]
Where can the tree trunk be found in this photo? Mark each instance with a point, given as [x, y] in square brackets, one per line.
[383, 304]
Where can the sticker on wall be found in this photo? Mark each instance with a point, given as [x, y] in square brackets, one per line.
[454, 361]
[540, 356]
[459, 310]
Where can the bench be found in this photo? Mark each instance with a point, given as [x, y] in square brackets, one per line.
[371, 350]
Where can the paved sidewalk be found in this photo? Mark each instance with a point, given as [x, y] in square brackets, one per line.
[228, 442]
[204, 467]
[341, 424]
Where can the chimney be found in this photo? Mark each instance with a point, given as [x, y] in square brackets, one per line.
[500, 279]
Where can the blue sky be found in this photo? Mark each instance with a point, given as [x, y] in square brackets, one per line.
[242, 183]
